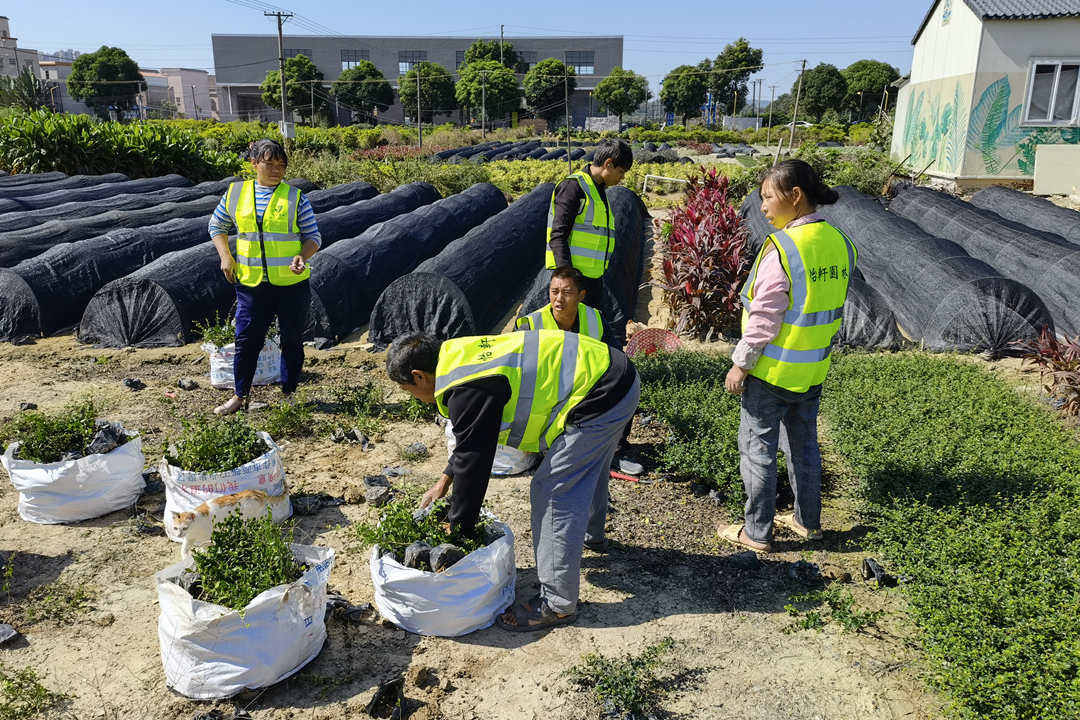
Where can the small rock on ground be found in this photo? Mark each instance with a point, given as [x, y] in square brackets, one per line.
[187, 384]
[23, 407]
[134, 384]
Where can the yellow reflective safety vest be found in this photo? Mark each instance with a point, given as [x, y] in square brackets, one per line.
[592, 238]
[277, 239]
[818, 260]
[589, 322]
[549, 371]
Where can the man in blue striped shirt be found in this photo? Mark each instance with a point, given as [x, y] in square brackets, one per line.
[270, 267]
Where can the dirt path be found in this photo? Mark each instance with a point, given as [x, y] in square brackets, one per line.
[666, 576]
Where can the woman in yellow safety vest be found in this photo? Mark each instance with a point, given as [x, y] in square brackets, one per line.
[792, 306]
[276, 234]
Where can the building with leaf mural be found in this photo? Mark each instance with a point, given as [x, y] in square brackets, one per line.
[990, 80]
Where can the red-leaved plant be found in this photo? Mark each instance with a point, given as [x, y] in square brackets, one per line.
[706, 259]
[1059, 367]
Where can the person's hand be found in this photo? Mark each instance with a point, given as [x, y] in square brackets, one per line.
[297, 265]
[735, 380]
[228, 268]
[436, 491]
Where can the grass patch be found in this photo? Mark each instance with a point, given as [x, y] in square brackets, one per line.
[23, 696]
[973, 491]
[627, 684]
[412, 410]
[47, 437]
[685, 390]
[59, 602]
[213, 445]
[290, 418]
[398, 528]
[244, 558]
[806, 609]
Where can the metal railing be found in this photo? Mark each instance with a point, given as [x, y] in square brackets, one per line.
[645, 184]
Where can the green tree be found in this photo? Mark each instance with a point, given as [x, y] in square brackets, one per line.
[489, 50]
[105, 78]
[683, 91]
[545, 93]
[730, 72]
[487, 84]
[24, 91]
[781, 108]
[436, 90]
[364, 88]
[823, 87]
[870, 78]
[303, 88]
[621, 92]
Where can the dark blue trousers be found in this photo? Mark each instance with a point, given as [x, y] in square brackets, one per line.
[255, 310]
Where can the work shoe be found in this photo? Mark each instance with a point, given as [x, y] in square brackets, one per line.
[598, 546]
[626, 466]
[788, 520]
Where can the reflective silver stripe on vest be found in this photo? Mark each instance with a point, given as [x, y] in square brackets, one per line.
[850, 246]
[536, 320]
[234, 198]
[258, 261]
[567, 372]
[796, 271]
[513, 359]
[294, 205]
[576, 250]
[590, 206]
[822, 317]
[795, 356]
[526, 389]
[590, 229]
[592, 317]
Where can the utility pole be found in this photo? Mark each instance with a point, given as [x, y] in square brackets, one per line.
[281, 18]
[772, 98]
[566, 99]
[194, 105]
[884, 105]
[795, 113]
[500, 43]
[419, 119]
[311, 87]
[483, 105]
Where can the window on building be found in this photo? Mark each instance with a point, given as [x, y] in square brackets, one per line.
[408, 58]
[527, 58]
[350, 58]
[293, 52]
[459, 58]
[583, 61]
[1052, 96]
[46, 74]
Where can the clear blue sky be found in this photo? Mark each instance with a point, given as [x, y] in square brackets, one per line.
[658, 35]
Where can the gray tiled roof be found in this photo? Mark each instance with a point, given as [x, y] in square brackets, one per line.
[1011, 10]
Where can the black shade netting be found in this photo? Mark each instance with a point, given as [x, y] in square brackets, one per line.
[7, 181]
[128, 201]
[941, 296]
[71, 182]
[868, 321]
[34, 197]
[303, 183]
[1047, 263]
[159, 304]
[420, 302]
[1035, 212]
[349, 277]
[492, 262]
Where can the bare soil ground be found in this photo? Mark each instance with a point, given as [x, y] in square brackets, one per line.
[666, 575]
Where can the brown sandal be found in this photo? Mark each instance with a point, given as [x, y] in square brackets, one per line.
[735, 535]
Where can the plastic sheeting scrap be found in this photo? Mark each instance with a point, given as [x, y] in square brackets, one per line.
[350, 276]
[1035, 212]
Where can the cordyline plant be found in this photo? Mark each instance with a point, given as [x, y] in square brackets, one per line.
[1059, 366]
[705, 258]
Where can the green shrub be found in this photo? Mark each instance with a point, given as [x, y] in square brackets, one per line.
[213, 445]
[841, 606]
[23, 696]
[290, 418]
[46, 437]
[859, 133]
[40, 141]
[685, 390]
[626, 686]
[244, 558]
[673, 134]
[328, 169]
[219, 332]
[974, 494]
[398, 528]
[863, 168]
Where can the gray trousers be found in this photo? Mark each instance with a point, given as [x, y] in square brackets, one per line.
[569, 494]
[773, 418]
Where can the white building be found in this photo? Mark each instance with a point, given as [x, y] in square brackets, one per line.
[14, 59]
[54, 73]
[990, 80]
[190, 92]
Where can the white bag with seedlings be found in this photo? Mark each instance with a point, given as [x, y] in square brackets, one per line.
[508, 460]
[210, 651]
[267, 370]
[186, 490]
[80, 488]
[464, 597]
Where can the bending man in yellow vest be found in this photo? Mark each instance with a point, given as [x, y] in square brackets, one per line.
[541, 390]
[568, 311]
[580, 226]
[276, 234]
[793, 302]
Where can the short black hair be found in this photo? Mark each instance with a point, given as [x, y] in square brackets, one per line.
[267, 149]
[616, 150]
[568, 272]
[414, 351]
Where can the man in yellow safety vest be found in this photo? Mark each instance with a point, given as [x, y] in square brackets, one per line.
[539, 390]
